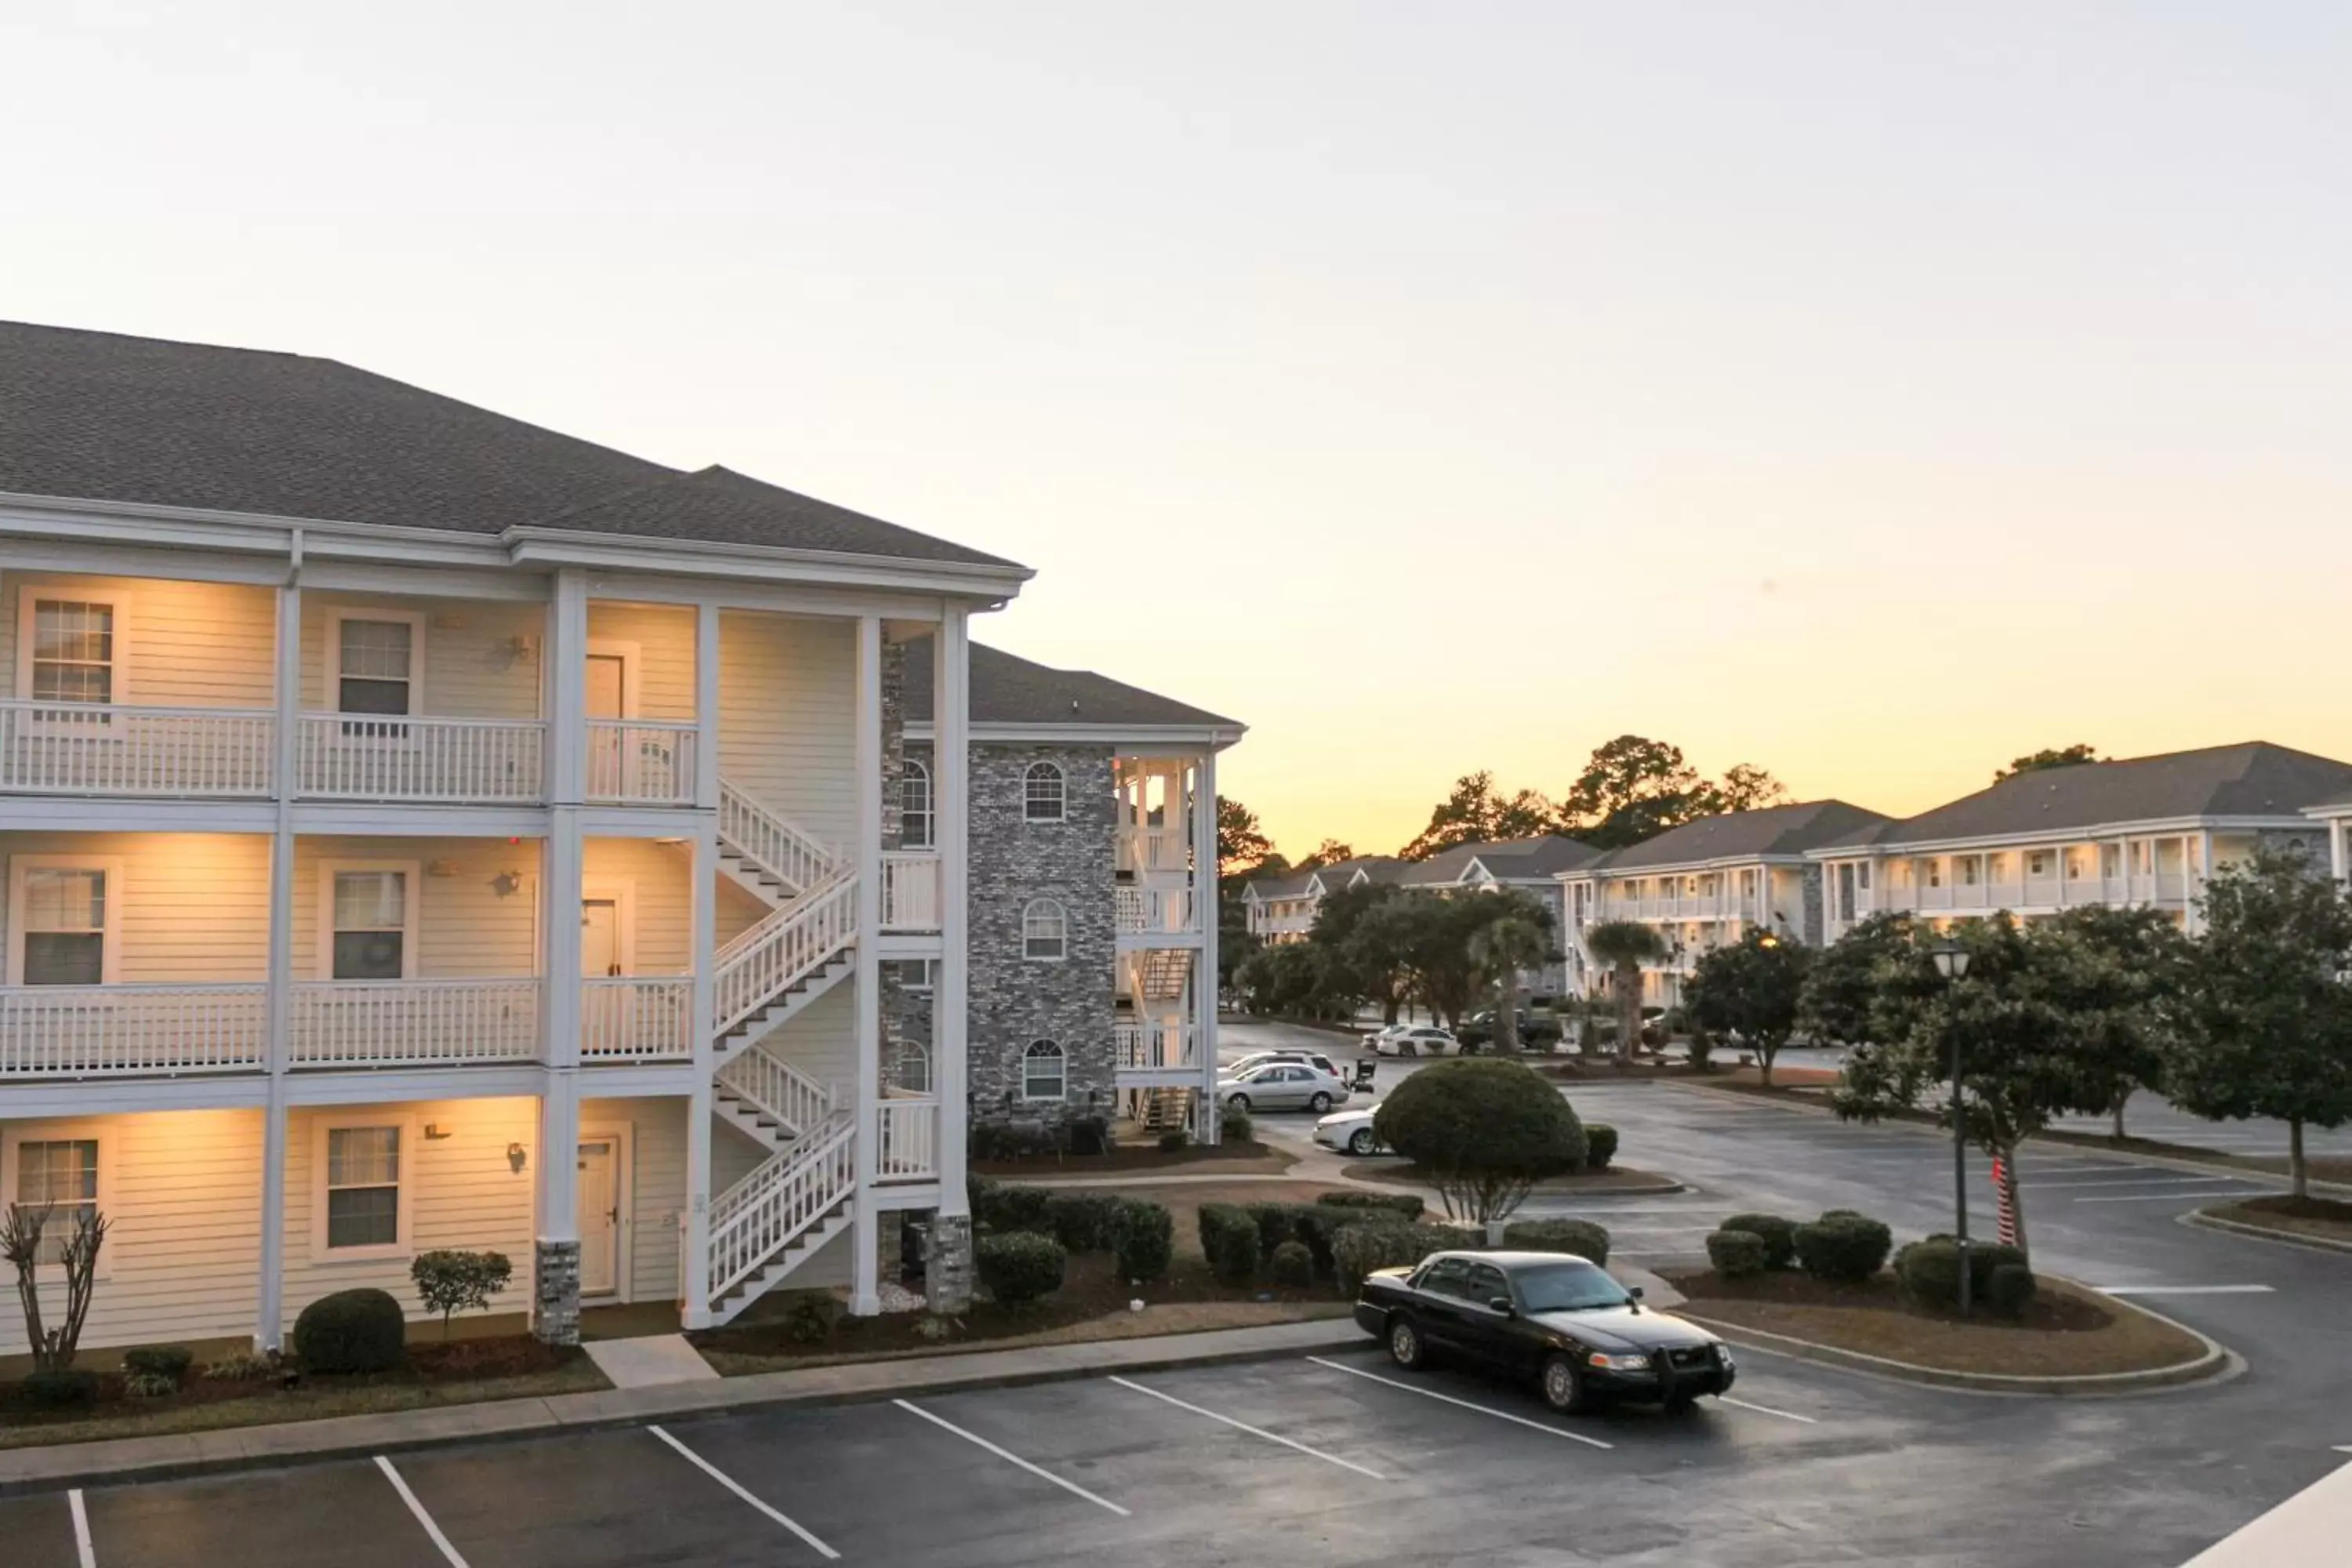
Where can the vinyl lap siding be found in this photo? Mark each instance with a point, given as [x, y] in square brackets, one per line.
[657, 1144]
[186, 644]
[472, 666]
[787, 702]
[465, 926]
[194, 907]
[664, 636]
[661, 894]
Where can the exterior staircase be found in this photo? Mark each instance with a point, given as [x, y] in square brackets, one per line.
[1161, 974]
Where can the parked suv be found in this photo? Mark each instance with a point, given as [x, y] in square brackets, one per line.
[1537, 1031]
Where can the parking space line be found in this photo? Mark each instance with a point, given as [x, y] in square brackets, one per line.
[724, 1479]
[1449, 1399]
[1038, 1471]
[1252, 1431]
[1766, 1410]
[2183, 1289]
[2124, 1181]
[423, 1518]
[87, 1552]
[2237, 1191]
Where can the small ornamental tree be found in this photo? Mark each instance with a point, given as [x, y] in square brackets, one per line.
[2113, 975]
[1485, 1130]
[2263, 1024]
[1752, 988]
[1624, 946]
[449, 1282]
[22, 1231]
[1841, 982]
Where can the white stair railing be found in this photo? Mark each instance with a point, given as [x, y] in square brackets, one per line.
[779, 1089]
[773, 843]
[764, 1213]
[760, 966]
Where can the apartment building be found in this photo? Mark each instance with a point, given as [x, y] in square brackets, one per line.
[1530, 866]
[424, 829]
[1706, 884]
[1283, 909]
[2139, 830]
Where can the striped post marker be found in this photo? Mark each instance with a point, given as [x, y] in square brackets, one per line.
[2006, 1231]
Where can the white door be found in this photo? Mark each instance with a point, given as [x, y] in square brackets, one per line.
[607, 749]
[599, 938]
[600, 1215]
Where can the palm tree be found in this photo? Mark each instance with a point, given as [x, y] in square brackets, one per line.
[1501, 949]
[1625, 946]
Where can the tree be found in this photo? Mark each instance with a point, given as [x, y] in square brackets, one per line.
[1747, 787]
[1242, 845]
[1623, 946]
[2048, 757]
[1485, 1131]
[448, 1282]
[1634, 788]
[1374, 937]
[1330, 852]
[1474, 813]
[2263, 1024]
[1841, 982]
[2112, 974]
[21, 1234]
[1752, 988]
[1515, 938]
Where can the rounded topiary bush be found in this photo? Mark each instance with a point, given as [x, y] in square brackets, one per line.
[1231, 1245]
[350, 1330]
[1482, 1128]
[1082, 1222]
[1581, 1236]
[61, 1388]
[1930, 1269]
[2010, 1289]
[1145, 1239]
[1234, 1125]
[1843, 1247]
[1600, 1145]
[1738, 1254]
[1020, 1267]
[1778, 1234]
[1292, 1265]
[160, 1361]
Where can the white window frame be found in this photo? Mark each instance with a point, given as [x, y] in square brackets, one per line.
[1031, 1052]
[915, 1050]
[916, 768]
[116, 599]
[1062, 792]
[111, 944]
[405, 1210]
[332, 695]
[411, 906]
[930, 970]
[1061, 915]
[13, 1135]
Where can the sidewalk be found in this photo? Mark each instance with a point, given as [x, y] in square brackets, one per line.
[124, 1460]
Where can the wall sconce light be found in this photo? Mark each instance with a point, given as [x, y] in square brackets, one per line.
[506, 884]
[517, 1158]
[441, 867]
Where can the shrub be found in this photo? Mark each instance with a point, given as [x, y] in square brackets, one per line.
[1581, 1236]
[1020, 1267]
[1930, 1269]
[1089, 1134]
[1275, 1225]
[809, 1317]
[1291, 1265]
[1600, 1145]
[56, 1388]
[148, 1385]
[1359, 1248]
[999, 1207]
[1146, 1241]
[1082, 1222]
[1844, 1247]
[1230, 1242]
[1485, 1129]
[1736, 1253]
[243, 1367]
[988, 1140]
[350, 1330]
[449, 1282]
[2011, 1288]
[1173, 1142]
[1218, 1218]
[1234, 1125]
[1779, 1236]
[160, 1361]
[1406, 1206]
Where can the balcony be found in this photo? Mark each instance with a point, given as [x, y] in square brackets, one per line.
[910, 890]
[342, 756]
[637, 1018]
[110, 1031]
[182, 753]
[1155, 849]
[907, 1138]
[415, 1022]
[1155, 1047]
[641, 762]
[1155, 912]
[1682, 906]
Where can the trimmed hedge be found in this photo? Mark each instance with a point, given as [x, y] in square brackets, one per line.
[1600, 1145]
[1405, 1206]
[1581, 1236]
[1291, 1265]
[1930, 1269]
[1233, 1124]
[1844, 1247]
[1020, 1267]
[1229, 1242]
[1146, 1239]
[54, 1390]
[2011, 1287]
[999, 1207]
[160, 1361]
[1736, 1253]
[1778, 1234]
[350, 1330]
[1359, 1249]
[1084, 1222]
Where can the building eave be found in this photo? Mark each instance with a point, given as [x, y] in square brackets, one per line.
[1118, 736]
[2104, 830]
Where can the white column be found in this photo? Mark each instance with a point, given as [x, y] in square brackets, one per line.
[693, 1290]
[556, 1191]
[706, 706]
[270, 1314]
[952, 801]
[1209, 1126]
[865, 1291]
[2336, 846]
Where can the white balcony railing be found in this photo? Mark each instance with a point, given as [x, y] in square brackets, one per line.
[76, 1031]
[1155, 849]
[52, 748]
[641, 762]
[637, 1019]
[351, 757]
[907, 1141]
[415, 1022]
[910, 890]
[1150, 1046]
[1682, 906]
[1165, 912]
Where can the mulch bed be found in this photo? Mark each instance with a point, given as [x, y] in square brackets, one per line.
[2308, 1216]
[1616, 1178]
[2064, 1332]
[1250, 1158]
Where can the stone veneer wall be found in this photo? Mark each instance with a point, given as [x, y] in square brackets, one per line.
[1815, 917]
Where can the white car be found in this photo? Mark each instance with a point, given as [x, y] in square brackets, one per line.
[1420, 1040]
[1350, 1133]
[1283, 1086]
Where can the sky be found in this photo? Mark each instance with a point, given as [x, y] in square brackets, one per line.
[1871, 393]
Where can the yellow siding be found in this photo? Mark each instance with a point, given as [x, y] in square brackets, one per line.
[193, 907]
[658, 1167]
[787, 702]
[466, 926]
[473, 668]
[664, 636]
[663, 897]
[191, 645]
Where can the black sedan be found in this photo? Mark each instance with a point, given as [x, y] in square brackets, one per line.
[1586, 1340]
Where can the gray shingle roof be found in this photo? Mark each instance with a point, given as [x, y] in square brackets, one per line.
[1376, 868]
[99, 417]
[1292, 886]
[1742, 835]
[1506, 858]
[1008, 689]
[2253, 778]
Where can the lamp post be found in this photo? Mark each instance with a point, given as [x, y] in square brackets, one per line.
[1952, 963]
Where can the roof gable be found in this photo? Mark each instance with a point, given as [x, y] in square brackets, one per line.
[1008, 689]
[1772, 830]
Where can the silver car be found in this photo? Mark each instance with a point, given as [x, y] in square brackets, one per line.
[1283, 1086]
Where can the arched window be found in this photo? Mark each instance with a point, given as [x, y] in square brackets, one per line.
[915, 806]
[1043, 793]
[1045, 931]
[1044, 1074]
[912, 1073]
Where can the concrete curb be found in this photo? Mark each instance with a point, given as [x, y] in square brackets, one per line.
[2217, 1361]
[2206, 1219]
[127, 1460]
